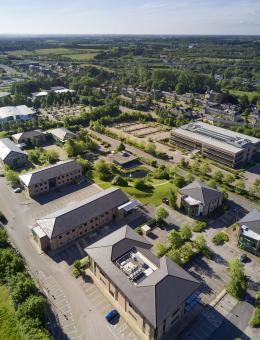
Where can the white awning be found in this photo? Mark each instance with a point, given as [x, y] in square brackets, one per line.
[129, 206]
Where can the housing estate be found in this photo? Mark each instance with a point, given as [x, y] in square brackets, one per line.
[199, 199]
[249, 232]
[75, 220]
[34, 137]
[16, 113]
[152, 294]
[11, 155]
[50, 178]
[62, 134]
[221, 145]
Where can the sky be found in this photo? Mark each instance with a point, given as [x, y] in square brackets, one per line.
[130, 17]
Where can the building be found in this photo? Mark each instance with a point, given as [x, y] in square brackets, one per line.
[152, 294]
[198, 199]
[62, 134]
[54, 89]
[124, 159]
[249, 232]
[34, 137]
[80, 218]
[4, 94]
[221, 145]
[11, 155]
[47, 179]
[16, 113]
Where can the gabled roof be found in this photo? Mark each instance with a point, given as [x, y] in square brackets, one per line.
[67, 218]
[62, 133]
[7, 147]
[201, 192]
[28, 134]
[12, 111]
[159, 294]
[44, 174]
[252, 221]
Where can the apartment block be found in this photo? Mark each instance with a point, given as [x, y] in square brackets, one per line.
[221, 145]
[50, 178]
[152, 294]
[66, 224]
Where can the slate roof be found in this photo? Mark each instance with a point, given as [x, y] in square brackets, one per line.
[252, 221]
[28, 134]
[157, 296]
[7, 147]
[201, 192]
[62, 133]
[44, 174]
[67, 218]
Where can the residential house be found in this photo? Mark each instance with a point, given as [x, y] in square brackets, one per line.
[62, 134]
[11, 155]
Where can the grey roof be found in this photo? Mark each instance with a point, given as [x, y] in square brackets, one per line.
[252, 221]
[201, 192]
[62, 133]
[28, 134]
[13, 111]
[7, 147]
[158, 295]
[67, 218]
[44, 174]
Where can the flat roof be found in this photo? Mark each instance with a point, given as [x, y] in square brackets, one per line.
[221, 138]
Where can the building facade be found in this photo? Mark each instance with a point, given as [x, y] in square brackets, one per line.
[198, 199]
[16, 113]
[11, 155]
[50, 178]
[34, 137]
[76, 220]
[153, 295]
[221, 145]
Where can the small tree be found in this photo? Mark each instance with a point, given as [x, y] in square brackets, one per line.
[237, 284]
[200, 242]
[228, 179]
[161, 214]
[175, 239]
[172, 198]
[119, 180]
[239, 186]
[217, 176]
[160, 249]
[185, 232]
[12, 177]
[121, 147]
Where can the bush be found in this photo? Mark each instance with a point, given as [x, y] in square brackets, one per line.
[160, 249]
[10, 264]
[141, 185]
[3, 238]
[237, 285]
[220, 238]
[32, 308]
[255, 320]
[199, 226]
[79, 265]
[138, 230]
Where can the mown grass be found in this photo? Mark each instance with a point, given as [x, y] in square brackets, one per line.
[9, 326]
[242, 93]
[160, 190]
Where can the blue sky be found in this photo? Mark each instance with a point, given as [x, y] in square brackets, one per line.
[130, 16]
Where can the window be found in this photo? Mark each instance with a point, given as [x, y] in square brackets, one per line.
[67, 233]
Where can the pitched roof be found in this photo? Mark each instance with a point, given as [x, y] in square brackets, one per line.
[67, 218]
[62, 133]
[12, 111]
[252, 221]
[7, 147]
[28, 134]
[201, 192]
[159, 294]
[44, 174]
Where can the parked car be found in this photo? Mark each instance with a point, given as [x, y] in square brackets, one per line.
[17, 190]
[244, 258]
[111, 315]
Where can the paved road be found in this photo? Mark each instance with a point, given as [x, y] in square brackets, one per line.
[78, 316]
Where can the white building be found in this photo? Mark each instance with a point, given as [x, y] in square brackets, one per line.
[16, 113]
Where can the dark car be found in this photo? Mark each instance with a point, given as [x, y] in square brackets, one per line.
[244, 258]
[111, 315]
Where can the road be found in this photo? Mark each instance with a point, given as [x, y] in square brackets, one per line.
[79, 318]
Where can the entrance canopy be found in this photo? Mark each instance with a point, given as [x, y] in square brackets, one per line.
[129, 206]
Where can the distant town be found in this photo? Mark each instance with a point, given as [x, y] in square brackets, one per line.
[130, 188]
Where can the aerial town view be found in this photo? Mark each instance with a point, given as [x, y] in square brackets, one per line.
[130, 170]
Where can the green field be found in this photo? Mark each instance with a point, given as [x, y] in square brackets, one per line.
[161, 190]
[242, 93]
[9, 326]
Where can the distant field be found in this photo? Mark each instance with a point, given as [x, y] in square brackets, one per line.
[74, 54]
[242, 93]
[9, 327]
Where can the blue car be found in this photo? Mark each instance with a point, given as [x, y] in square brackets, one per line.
[112, 314]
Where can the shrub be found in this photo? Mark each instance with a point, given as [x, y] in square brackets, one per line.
[120, 181]
[138, 230]
[32, 308]
[220, 238]
[141, 185]
[160, 249]
[199, 226]
[255, 320]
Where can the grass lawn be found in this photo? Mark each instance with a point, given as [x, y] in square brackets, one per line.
[161, 190]
[242, 93]
[9, 326]
[88, 55]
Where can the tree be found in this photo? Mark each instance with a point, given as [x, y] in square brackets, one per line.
[52, 156]
[85, 164]
[239, 186]
[150, 148]
[120, 181]
[237, 284]
[3, 238]
[33, 307]
[172, 198]
[199, 226]
[228, 179]
[175, 239]
[212, 183]
[175, 255]
[255, 188]
[200, 242]
[12, 177]
[185, 232]
[104, 170]
[160, 249]
[21, 287]
[161, 214]
[186, 251]
[121, 147]
[10, 263]
[204, 169]
[217, 176]
[188, 177]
